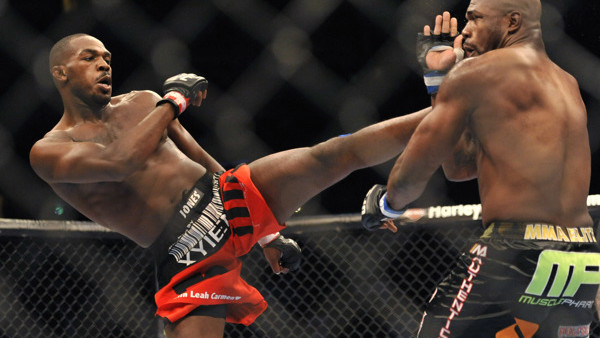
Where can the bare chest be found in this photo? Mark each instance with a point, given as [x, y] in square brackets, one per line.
[115, 123]
[104, 132]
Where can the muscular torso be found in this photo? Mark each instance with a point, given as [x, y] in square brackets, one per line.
[530, 126]
[140, 205]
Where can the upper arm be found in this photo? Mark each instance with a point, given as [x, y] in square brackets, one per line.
[58, 160]
[461, 165]
[436, 136]
[460, 95]
[188, 145]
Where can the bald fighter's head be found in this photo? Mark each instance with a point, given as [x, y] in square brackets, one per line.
[62, 49]
[494, 24]
[530, 11]
[80, 68]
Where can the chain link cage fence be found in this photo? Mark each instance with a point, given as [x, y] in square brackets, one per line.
[73, 279]
[282, 74]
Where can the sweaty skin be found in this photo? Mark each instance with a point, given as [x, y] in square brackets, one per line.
[135, 199]
[124, 163]
[509, 117]
[108, 156]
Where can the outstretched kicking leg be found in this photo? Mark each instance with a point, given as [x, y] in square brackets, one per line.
[290, 178]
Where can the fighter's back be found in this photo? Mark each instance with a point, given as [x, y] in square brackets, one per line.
[531, 127]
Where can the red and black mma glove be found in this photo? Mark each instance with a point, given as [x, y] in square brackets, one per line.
[291, 254]
[182, 89]
[435, 43]
[375, 208]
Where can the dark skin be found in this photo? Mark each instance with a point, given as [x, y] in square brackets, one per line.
[124, 163]
[509, 117]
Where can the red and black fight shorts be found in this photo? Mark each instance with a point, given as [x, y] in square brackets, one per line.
[217, 221]
[519, 280]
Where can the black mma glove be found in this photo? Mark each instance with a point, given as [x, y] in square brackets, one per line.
[291, 254]
[182, 89]
[435, 43]
[375, 208]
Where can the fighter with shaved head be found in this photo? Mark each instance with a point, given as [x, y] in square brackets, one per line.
[514, 120]
[127, 163]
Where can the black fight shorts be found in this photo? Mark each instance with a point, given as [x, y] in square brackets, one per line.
[519, 280]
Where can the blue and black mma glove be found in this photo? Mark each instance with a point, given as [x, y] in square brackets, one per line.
[375, 208]
[435, 43]
[182, 89]
[291, 254]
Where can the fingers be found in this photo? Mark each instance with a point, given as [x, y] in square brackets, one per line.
[277, 268]
[458, 41]
[427, 30]
[444, 24]
[453, 27]
[273, 255]
[389, 224]
[201, 96]
[437, 29]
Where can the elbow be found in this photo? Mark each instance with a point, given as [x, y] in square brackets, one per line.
[459, 174]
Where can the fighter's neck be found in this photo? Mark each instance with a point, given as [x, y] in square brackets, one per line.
[78, 110]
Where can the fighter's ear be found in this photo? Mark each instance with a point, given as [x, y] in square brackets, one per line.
[514, 21]
[59, 73]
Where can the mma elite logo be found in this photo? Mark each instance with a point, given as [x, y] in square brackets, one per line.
[557, 233]
[562, 274]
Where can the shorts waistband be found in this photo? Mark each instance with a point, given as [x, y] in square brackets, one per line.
[540, 232]
[198, 196]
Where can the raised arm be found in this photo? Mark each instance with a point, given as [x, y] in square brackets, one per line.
[178, 88]
[434, 139]
[438, 51]
[58, 158]
[188, 145]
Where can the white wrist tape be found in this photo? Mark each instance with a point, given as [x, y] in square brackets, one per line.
[439, 48]
[267, 239]
[386, 210]
[433, 79]
[459, 52]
